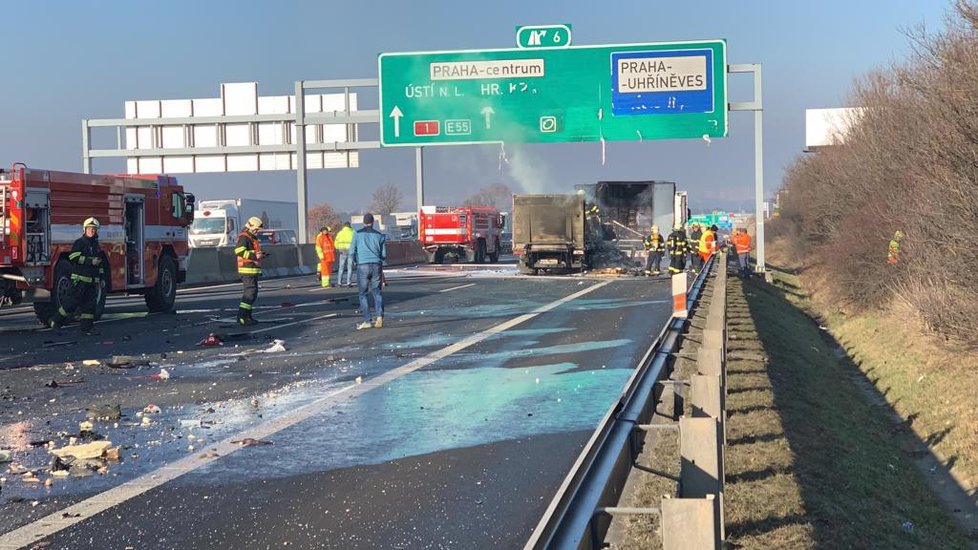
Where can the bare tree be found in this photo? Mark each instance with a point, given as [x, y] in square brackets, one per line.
[386, 199]
[907, 164]
[498, 195]
[322, 215]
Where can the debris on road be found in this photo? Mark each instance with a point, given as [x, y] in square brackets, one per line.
[84, 451]
[127, 362]
[151, 409]
[103, 412]
[251, 442]
[276, 347]
[91, 362]
[6, 456]
[163, 375]
[212, 340]
[50, 344]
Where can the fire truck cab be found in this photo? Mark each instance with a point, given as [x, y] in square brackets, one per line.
[143, 235]
[463, 233]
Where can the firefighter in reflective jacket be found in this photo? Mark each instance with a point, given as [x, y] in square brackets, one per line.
[678, 246]
[655, 245]
[87, 274]
[249, 256]
[325, 251]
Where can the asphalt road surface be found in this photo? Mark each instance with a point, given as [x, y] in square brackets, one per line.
[451, 427]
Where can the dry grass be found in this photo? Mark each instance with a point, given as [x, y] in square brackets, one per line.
[810, 462]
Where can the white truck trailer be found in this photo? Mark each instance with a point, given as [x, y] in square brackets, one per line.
[218, 222]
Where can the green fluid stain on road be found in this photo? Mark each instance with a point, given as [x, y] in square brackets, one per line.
[431, 411]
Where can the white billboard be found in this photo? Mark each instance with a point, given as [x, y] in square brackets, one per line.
[825, 127]
[239, 118]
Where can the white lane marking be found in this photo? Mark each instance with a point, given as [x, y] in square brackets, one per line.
[328, 315]
[81, 511]
[456, 287]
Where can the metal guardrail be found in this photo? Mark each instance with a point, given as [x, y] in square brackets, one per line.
[596, 479]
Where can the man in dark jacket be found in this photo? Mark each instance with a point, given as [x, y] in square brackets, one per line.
[87, 272]
[369, 250]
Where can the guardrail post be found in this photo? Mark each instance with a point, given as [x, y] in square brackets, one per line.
[701, 469]
[690, 524]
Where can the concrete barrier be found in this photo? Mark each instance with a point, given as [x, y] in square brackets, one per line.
[203, 266]
[405, 252]
[220, 265]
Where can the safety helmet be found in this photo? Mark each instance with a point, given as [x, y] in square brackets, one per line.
[255, 222]
[655, 228]
[91, 222]
[898, 235]
[678, 226]
[325, 229]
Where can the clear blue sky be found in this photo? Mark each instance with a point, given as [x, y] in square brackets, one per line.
[66, 61]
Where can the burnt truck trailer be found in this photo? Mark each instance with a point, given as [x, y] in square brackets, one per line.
[549, 233]
[628, 209]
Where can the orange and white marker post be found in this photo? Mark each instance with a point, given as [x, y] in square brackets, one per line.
[679, 295]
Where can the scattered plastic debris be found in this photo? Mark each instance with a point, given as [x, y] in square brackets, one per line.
[907, 526]
[163, 375]
[277, 346]
[151, 409]
[211, 340]
[6, 456]
[91, 362]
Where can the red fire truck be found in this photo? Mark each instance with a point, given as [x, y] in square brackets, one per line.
[143, 235]
[471, 233]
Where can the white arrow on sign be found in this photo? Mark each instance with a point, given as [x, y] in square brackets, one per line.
[396, 114]
[488, 112]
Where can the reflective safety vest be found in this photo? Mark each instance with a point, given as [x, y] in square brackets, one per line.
[324, 248]
[742, 242]
[707, 244]
[247, 253]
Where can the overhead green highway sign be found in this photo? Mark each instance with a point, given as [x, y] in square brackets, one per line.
[581, 93]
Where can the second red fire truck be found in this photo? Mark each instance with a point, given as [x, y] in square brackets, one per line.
[143, 236]
[462, 233]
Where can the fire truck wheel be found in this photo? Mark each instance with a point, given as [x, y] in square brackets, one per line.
[164, 293]
[62, 285]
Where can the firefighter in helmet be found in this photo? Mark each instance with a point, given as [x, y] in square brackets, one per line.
[655, 245]
[678, 246]
[249, 256]
[87, 276]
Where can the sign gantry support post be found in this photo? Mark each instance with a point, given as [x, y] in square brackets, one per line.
[758, 108]
[302, 189]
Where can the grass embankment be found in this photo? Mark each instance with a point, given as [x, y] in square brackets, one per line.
[811, 462]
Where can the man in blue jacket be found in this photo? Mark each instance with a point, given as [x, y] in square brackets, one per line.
[369, 250]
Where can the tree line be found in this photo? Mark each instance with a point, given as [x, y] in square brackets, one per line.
[908, 163]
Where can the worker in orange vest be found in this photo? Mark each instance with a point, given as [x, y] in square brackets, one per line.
[325, 249]
[741, 241]
[708, 243]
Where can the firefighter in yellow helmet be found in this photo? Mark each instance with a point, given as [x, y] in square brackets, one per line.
[677, 244]
[249, 256]
[87, 276]
[655, 246]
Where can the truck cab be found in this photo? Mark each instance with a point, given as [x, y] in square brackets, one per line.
[215, 224]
